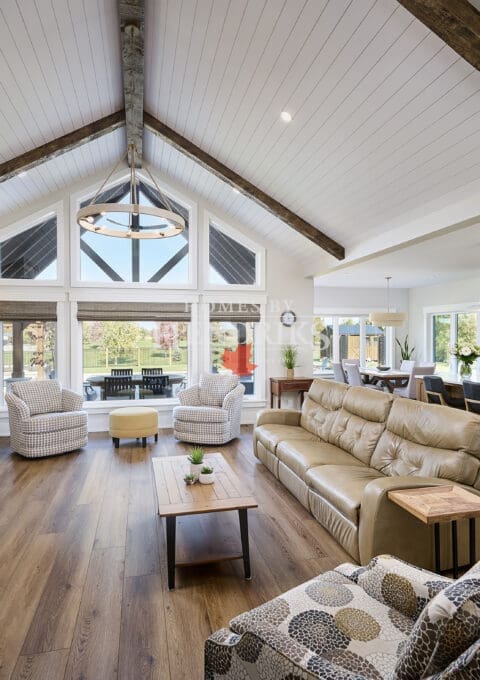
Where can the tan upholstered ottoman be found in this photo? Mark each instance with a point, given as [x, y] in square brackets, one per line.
[133, 422]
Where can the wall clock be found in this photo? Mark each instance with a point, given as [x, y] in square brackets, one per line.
[288, 318]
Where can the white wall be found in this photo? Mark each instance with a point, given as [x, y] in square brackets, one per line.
[444, 296]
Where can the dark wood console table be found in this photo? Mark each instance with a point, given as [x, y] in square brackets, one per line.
[280, 385]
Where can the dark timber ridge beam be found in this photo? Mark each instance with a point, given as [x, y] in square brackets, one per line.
[211, 164]
[87, 133]
[456, 22]
[132, 40]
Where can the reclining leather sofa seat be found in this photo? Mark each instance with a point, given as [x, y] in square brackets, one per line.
[349, 446]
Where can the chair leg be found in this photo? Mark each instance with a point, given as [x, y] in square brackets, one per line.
[156, 437]
[116, 442]
[144, 442]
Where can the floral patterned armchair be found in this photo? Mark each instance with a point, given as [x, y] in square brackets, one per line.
[388, 620]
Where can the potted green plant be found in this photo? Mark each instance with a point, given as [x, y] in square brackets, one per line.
[189, 479]
[196, 460]
[406, 352]
[289, 359]
[206, 475]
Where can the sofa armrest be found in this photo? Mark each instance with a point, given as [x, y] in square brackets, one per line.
[18, 405]
[386, 528]
[278, 416]
[71, 401]
[189, 397]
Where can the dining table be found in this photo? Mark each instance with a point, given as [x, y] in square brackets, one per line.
[391, 378]
[137, 379]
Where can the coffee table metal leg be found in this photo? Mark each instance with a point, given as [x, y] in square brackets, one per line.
[245, 547]
[436, 529]
[454, 548]
[473, 550]
[171, 531]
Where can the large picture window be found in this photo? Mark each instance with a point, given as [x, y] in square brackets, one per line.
[29, 341]
[448, 329]
[30, 254]
[132, 358]
[337, 338]
[232, 341]
[165, 261]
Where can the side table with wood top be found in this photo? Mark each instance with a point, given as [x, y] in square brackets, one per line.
[438, 504]
[280, 385]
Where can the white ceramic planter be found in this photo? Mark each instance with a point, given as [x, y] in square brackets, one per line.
[207, 479]
[195, 469]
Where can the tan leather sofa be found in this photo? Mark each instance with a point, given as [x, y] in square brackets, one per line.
[349, 446]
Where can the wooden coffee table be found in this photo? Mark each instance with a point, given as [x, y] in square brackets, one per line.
[436, 504]
[175, 498]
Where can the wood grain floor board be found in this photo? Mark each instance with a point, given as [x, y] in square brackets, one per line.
[47, 666]
[84, 553]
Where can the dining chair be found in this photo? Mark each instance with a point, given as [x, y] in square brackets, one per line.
[356, 362]
[437, 394]
[121, 371]
[154, 386]
[409, 391]
[471, 391]
[338, 373]
[119, 387]
[152, 371]
[354, 377]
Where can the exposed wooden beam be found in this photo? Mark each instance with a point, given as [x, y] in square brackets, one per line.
[132, 14]
[87, 133]
[99, 261]
[168, 266]
[456, 22]
[244, 186]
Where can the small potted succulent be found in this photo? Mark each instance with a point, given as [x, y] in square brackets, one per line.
[189, 479]
[196, 460]
[206, 475]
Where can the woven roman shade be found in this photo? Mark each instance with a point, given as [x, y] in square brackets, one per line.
[134, 311]
[234, 312]
[23, 310]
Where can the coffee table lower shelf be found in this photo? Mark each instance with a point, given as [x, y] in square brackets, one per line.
[171, 545]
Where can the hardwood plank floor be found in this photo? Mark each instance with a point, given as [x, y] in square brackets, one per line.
[83, 578]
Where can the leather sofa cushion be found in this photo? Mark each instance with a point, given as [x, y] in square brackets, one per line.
[360, 422]
[321, 404]
[300, 455]
[397, 456]
[270, 435]
[342, 486]
[439, 427]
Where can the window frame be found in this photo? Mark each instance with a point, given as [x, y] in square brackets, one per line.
[362, 316]
[453, 311]
[11, 229]
[75, 251]
[259, 393]
[227, 229]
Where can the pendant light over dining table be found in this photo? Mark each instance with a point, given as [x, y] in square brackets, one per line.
[388, 318]
[130, 220]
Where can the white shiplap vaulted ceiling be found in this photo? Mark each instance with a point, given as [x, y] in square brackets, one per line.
[386, 117]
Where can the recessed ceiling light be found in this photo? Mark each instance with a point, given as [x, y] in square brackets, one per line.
[286, 117]
[235, 190]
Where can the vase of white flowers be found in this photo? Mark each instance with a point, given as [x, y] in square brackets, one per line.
[466, 356]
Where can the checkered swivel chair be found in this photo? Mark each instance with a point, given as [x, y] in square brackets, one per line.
[210, 412]
[45, 419]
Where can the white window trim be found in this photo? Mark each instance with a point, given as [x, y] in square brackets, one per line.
[362, 314]
[451, 309]
[260, 340]
[75, 253]
[237, 235]
[33, 220]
